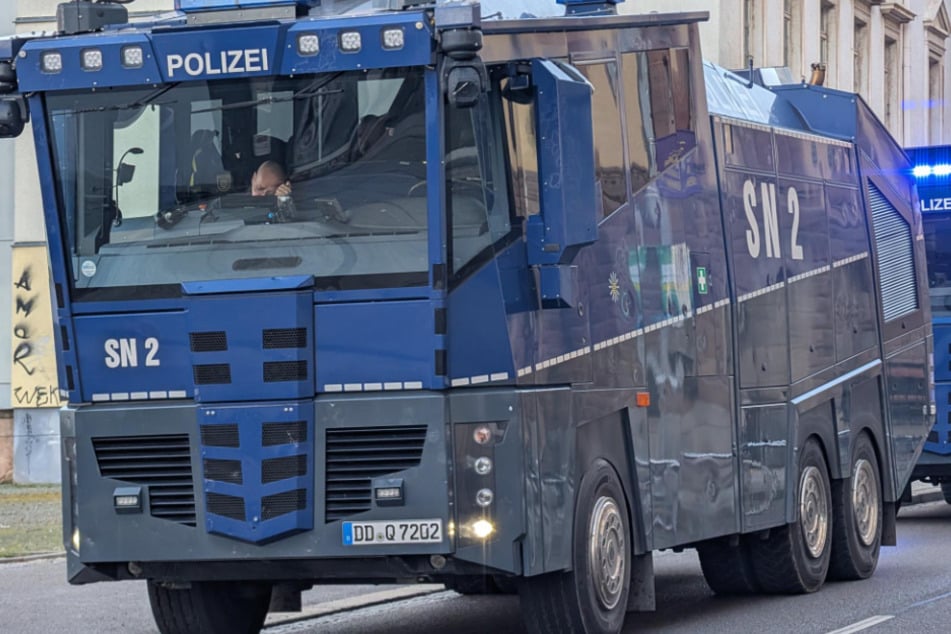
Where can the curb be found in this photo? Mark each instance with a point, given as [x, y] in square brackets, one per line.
[28, 558]
[927, 497]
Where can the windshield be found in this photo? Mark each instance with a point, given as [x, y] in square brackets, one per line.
[938, 247]
[317, 175]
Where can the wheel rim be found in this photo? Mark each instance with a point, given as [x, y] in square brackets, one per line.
[813, 511]
[865, 501]
[606, 552]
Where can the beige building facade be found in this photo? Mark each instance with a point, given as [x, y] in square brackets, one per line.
[894, 54]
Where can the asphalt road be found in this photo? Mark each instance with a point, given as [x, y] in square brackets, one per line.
[910, 592]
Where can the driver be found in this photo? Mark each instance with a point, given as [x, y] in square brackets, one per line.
[270, 179]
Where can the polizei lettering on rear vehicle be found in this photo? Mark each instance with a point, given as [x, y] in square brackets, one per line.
[248, 60]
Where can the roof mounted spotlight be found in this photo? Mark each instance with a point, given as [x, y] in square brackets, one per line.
[464, 77]
[87, 16]
[599, 7]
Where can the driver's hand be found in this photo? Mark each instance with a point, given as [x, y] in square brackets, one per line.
[284, 189]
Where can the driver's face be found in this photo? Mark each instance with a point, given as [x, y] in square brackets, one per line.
[264, 182]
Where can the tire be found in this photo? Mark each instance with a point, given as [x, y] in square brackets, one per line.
[946, 490]
[857, 516]
[210, 607]
[728, 569]
[794, 558]
[592, 597]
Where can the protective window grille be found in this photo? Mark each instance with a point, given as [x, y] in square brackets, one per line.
[895, 257]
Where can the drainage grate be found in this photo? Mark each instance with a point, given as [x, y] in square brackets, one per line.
[357, 455]
[161, 463]
[216, 341]
[280, 371]
[282, 338]
[212, 374]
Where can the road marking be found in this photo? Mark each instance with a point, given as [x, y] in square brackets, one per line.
[871, 621]
[352, 603]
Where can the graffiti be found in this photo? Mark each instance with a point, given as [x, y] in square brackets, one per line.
[38, 396]
[33, 378]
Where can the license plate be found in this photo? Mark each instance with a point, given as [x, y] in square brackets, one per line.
[392, 532]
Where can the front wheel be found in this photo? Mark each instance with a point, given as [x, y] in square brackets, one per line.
[210, 607]
[946, 491]
[592, 597]
[857, 516]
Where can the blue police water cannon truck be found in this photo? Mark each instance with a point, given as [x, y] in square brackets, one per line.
[503, 296]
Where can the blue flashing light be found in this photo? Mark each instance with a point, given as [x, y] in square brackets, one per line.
[924, 171]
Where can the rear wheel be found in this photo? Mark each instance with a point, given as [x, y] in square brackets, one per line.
[794, 558]
[728, 568]
[210, 607]
[857, 516]
[592, 597]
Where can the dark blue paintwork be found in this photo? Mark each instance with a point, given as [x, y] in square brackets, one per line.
[190, 6]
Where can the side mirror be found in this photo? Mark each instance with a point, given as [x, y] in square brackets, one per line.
[12, 118]
[465, 84]
[124, 173]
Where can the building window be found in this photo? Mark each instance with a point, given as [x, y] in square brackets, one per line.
[792, 36]
[859, 58]
[935, 100]
[892, 85]
[827, 33]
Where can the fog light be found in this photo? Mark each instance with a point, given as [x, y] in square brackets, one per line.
[52, 62]
[92, 59]
[127, 500]
[133, 57]
[484, 497]
[482, 434]
[75, 540]
[483, 466]
[482, 529]
[393, 39]
[308, 44]
[351, 41]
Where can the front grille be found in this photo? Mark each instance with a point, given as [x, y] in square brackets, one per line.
[220, 435]
[223, 471]
[212, 374]
[226, 506]
[283, 433]
[283, 503]
[216, 341]
[282, 338]
[278, 371]
[160, 463]
[275, 469]
[357, 455]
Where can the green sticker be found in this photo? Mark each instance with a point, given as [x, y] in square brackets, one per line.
[702, 285]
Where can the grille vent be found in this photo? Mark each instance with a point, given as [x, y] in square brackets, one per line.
[161, 463]
[283, 338]
[220, 435]
[283, 433]
[226, 506]
[280, 371]
[275, 469]
[896, 258]
[212, 374]
[216, 341]
[357, 455]
[223, 471]
[283, 503]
